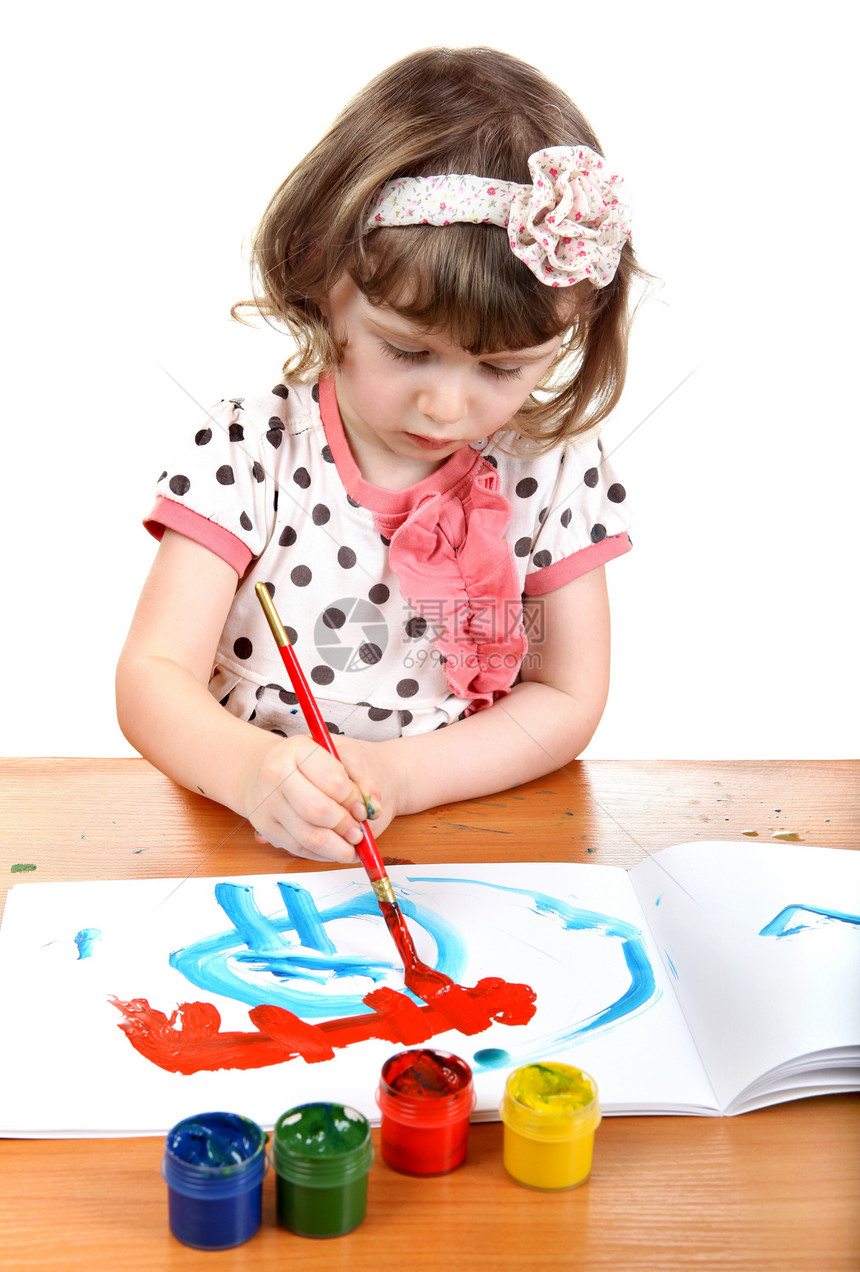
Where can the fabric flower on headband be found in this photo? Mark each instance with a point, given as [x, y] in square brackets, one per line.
[570, 224]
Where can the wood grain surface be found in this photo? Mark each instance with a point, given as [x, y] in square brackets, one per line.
[776, 1189]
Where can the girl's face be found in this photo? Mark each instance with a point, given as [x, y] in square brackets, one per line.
[413, 394]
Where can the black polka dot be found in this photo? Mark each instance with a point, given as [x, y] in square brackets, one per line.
[315, 392]
[346, 558]
[616, 493]
[245, 522]
[203, 437]
[236, 433]
[288, 537]
[180, 485]
[405, 718]
[163, 475]
[292, 635]
[288, 698]
[332, 728]
[270, 588]
[598, 532]
[327, 455]
[321, 514]
[600, 445]
[407, 688]
[333, 618]
[590, 477]
[322, 674]
[281, 391]
[302, 478]
[369, 653]
[526, 487]
[416, 627]
[379, 594]
[542, 559]
[242, 647]
[491, 459]
[224, 475]
[274, 436]
[275, 499]
[542, 515]
[523, 547]
[258, 471]
[224, 701]
[387, 542]
[352, 502]
[301, 576]
[566, 517]
[378, 713]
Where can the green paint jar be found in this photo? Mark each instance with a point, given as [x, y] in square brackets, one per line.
[322, 1154]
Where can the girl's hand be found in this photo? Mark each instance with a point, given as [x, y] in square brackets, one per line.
[300, 798]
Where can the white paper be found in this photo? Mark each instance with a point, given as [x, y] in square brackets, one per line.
[739, 989]
[565, 930]
[763, 942]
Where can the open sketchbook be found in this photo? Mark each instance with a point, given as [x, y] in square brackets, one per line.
[712, 978]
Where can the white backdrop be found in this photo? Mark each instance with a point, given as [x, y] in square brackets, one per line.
[145, 142]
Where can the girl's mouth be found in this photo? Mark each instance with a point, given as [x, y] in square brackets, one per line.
[429, 443]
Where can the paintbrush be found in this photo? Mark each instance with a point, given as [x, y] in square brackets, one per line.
[420, 978]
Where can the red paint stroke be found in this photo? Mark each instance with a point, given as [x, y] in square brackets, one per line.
[190, 1040]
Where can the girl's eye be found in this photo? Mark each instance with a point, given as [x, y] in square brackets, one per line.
[419, 355]
[402, 355]
[502, 373]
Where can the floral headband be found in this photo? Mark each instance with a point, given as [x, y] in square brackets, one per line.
[570, 224]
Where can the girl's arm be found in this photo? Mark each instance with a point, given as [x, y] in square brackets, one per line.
[291, 790]
[541, 725]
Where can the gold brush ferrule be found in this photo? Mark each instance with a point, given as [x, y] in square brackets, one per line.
[384, 890]
[281, 637]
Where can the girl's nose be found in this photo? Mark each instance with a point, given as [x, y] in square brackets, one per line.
[444, 400]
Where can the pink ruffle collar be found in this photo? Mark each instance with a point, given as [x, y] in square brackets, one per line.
[453, 563]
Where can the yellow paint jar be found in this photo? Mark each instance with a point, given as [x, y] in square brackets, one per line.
[550, 1113]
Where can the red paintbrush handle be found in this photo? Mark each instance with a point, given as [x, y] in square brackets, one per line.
[368, 849]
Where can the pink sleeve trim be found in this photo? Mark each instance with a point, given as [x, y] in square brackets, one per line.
[167, 515]
[573, 567]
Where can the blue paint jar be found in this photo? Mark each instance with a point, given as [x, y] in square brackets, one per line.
[214, 1165]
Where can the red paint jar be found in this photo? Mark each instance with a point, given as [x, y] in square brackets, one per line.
[426, 1098]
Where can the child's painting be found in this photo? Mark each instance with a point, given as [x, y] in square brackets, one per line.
[130, 1005]
[133, 1004]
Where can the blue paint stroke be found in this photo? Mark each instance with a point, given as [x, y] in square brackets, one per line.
[86, 941]
[260, 944]
[672, 968]
[305, 918]
[640, 994]
[783, 925]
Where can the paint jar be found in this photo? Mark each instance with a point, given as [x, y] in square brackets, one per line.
[550, 1113]
[214, 1166]
[426, 1098]
[322, 1154]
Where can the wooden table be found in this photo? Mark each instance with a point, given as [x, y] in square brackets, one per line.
[776, 1189]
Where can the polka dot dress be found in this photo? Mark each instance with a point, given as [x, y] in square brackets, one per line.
[270, 485]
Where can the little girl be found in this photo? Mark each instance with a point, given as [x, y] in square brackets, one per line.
[422, 493]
